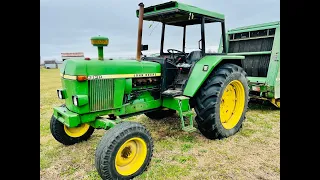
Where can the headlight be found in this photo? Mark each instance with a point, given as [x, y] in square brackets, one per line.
[60, 94]
[80, 100]
[75, 100]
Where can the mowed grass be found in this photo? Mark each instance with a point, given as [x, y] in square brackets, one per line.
[253, 153]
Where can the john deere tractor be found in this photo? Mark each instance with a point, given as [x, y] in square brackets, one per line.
[100, 93]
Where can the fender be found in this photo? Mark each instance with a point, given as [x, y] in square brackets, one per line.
[202, 70]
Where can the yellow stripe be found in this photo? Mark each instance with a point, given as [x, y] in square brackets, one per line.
[69, 77]
[113, 76]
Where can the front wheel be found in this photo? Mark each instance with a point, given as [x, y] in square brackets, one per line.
[222, 102]
[69, 136]
[124, 152]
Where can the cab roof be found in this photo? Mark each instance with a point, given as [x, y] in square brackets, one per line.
[179, 14]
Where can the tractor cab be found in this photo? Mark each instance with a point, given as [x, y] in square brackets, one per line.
[176, 64]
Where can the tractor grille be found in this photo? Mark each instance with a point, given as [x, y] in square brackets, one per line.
[101, 93]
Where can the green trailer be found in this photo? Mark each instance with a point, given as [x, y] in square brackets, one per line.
[101, 93]
[260, 44]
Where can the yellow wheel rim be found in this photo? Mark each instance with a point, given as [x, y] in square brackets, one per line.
[232, 104]
[76, 131]
[131, 156]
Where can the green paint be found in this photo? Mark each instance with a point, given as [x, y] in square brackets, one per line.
[200, 11]
[119, 86]
[152, 10]
[72, 119]
[254, 27]
[270, 84]
[181, 104]
[173, 103]
[82, 100]
[128, 86]
[142, 106]
[103, 123]
[198, 76]
[99, 38]
[73, 87]
[100, 53]
[75, 67]
[250, 53]
[274, 65]
[277, 86]
[256, 80]
[97, 67]
[270, 95]
[97, 41]
[67, 117]
[144, 97]
[100, 42]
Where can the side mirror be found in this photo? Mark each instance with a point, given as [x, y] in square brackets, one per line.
[144, 47]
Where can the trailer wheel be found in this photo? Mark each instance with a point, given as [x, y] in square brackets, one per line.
[124, 151]
[160, 114]
[69, 136]
[222, 101]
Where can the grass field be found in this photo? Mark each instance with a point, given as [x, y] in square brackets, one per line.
[253, 153]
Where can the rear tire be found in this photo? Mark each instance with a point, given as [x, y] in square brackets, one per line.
[222, 101]
[58, 131]
[124, 152]
[160, 114]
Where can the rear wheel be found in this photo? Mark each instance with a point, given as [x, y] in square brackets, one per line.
[124, 152]
[222, 102]
[69, 136]
[160, 114]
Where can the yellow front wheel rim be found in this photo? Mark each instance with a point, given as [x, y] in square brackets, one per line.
[131, 156]
[232, 104]
[76, 131]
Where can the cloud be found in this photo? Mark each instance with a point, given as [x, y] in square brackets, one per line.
[67, 26]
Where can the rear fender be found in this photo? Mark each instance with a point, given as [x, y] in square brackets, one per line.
[203, 68]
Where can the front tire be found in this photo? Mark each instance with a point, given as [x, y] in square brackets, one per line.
[69, 136]
[222, 102]
[124, 152]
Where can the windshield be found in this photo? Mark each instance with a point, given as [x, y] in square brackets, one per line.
[173, 38]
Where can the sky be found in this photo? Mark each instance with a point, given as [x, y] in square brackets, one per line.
[67, 26]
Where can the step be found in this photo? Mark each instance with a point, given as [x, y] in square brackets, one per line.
[172, 92]
[189, 129]
[187, 113]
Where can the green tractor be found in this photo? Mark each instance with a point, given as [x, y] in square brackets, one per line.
[101, 93]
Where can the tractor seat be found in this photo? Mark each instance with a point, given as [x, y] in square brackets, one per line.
[193, 57]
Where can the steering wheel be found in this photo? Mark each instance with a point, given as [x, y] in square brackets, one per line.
[171, 51]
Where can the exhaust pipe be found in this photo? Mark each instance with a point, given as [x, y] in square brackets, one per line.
[141, 12]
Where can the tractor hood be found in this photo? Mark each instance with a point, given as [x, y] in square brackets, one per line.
[95, 67]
